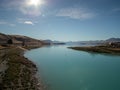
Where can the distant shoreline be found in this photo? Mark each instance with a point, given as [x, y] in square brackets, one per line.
[16, 71]
[98, 49]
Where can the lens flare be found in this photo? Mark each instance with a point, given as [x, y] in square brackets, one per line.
[35, 3]
[32, 7]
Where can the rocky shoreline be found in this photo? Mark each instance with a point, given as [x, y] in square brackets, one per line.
[17, 72]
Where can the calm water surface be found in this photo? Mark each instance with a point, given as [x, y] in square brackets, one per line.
[65, 69]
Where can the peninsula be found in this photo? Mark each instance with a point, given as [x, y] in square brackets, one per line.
[110, 48]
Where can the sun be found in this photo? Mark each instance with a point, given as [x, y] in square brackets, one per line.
[34, 2]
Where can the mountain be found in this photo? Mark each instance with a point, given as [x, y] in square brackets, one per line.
[95, 42]
[19, 40]
[58, 42]
[50, 42]
[113, 40]
[47, 42]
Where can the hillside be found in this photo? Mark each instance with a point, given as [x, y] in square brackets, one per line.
[3, 38]
[19, 40]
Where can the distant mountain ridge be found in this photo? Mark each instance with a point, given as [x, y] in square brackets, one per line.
[113, 40]
[52, 42]
[47, 41]
[94, 42]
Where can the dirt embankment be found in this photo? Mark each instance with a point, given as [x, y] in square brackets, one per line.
[16, 71]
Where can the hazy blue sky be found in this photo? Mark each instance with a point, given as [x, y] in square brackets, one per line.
[64, 20]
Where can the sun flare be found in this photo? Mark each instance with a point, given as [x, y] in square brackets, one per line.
[35, 2]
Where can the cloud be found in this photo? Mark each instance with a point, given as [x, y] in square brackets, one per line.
[34, 12]
[75, 13]
[7, 23]
[116, 9]
[12, 25]
[28, 22]
[21, 6]
[11, 3]
[3, 22]
[25, 21]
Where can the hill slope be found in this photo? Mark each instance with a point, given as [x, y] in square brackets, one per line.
[19, 40]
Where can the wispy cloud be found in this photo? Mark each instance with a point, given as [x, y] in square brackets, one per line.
[25, 21]
[116, 9]
[28, 22]
[21, 6]
[3, 22]
[34, 12]
[7, 23]
[75, 13]
[11, 3]
[12, 25]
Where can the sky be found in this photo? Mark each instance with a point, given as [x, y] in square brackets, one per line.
[63, 20]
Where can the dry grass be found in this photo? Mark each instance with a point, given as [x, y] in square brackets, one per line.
[98, 49]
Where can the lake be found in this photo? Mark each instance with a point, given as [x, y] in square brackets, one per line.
[65, 69]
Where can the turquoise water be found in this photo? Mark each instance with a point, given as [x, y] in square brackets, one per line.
[65, 69]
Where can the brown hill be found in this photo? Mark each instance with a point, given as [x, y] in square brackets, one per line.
[19, 40]
[3, 38]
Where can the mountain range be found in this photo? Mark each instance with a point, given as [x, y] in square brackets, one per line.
[94, 42]
[20, 39]
[113, 40]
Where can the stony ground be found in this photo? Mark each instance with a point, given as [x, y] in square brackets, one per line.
[16, 71]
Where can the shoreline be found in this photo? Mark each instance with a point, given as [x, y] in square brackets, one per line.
[98, 49]
[18, 72]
